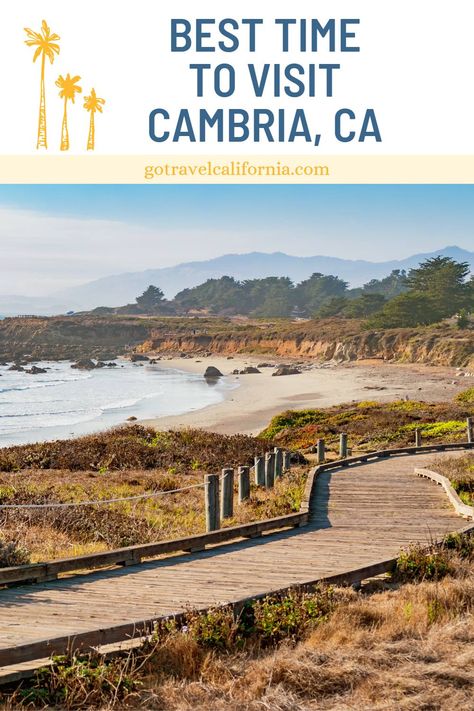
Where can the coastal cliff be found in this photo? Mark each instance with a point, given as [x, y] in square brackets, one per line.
[340, 340]
[404, 346]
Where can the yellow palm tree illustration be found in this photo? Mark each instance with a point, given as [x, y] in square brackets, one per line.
[69, 88]
[46, 46]
[92, 104]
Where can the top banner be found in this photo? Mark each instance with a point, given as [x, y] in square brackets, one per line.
[334, 80]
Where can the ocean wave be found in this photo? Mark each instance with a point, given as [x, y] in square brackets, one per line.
[42, 413]
[58, 404]
[42, 384]
[37, 423]
[121, 404]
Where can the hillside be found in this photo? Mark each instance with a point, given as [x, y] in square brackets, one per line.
[327, 339]
[116, 290]
[123, 288]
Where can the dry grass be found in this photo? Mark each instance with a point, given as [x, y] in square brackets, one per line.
[125, 462]
[460, 471]
[136, 447]
[390, 647]
[55, 533]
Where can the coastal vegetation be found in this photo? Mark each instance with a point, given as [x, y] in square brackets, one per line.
[328, 649]
[324, 649]
[437, 289]
[122, 464]
[460, 472]
[372, 425]
[422, 316]
[103, 338]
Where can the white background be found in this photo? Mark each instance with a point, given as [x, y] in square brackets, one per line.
[415, 69]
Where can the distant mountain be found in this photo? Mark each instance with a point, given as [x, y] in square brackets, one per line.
[33, 306]
[123, 288]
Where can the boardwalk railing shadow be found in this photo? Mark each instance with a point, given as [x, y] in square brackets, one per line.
[348, 537]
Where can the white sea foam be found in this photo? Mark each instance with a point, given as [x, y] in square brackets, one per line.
[64, 402]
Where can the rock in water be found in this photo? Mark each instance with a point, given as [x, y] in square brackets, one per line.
[249, 370]
[84, 364]
[135, 357]
[34, 370]
[212, 372]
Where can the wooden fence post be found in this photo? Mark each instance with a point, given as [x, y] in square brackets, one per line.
[278, 462]
[259, 471]
[211, 497]
[417, 438]
[286, 461]
[470, 429]
[227, 495]
[270, 470]
[343, 445]
[244, 484]
[321, 451]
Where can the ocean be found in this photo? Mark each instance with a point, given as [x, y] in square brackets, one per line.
[64, 402]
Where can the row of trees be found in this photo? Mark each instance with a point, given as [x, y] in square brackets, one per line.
[437, 289]
[277, 297]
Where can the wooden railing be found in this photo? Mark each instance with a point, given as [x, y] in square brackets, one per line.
[134, 554]
[461, 508]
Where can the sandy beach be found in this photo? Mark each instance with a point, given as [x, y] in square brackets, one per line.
[258, 397]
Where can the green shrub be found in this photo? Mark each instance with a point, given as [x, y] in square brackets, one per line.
[466, 397]
[12, 553]
[416, 564]
[293, 418]
[461, 543]
[79, 681]
[435, 429]
[290, 617]
[215, 629]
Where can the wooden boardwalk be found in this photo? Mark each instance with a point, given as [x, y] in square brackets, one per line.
[359, 516]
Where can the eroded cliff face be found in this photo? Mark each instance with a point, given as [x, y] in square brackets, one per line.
[406, 345]
[331, 340]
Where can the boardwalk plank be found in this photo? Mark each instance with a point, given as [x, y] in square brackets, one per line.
[359, 516]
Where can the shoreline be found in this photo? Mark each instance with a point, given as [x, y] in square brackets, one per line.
[249, 408]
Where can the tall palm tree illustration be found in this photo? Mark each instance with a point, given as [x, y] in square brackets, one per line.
[92, 104]
[46, 46]
[69, 88]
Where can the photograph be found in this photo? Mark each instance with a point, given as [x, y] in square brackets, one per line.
[223, 413]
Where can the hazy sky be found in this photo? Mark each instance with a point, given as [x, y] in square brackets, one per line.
[55, 236]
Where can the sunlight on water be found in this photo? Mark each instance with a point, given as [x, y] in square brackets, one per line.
[64, 402]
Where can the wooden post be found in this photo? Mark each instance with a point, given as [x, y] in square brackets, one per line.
[321, 451]
[417, 438]
[270, 470]
[470, 428]
[227, 495]
[343, 445]
[278, 462]
[259, 471]
[211, 494]
[286, 461]
[244, 484]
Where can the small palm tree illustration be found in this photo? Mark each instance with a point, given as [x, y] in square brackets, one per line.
[46, 46]
[69, 88]
[92, 104]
